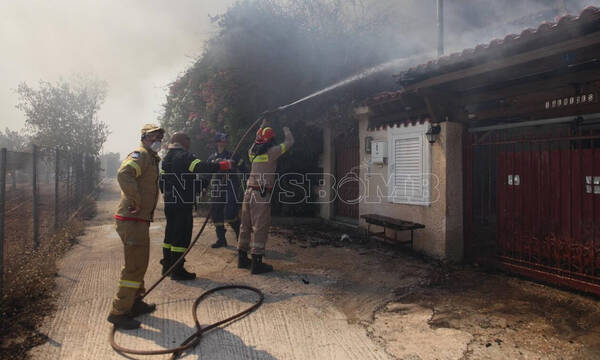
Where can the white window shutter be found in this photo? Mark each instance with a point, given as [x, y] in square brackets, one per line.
[409, 167]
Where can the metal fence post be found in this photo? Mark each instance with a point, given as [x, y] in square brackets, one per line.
[3, 165]
[56, 188]
[68, 207]
[36, 221]
[92, 174]
[79, 181]
[86, 176]
[71, 171]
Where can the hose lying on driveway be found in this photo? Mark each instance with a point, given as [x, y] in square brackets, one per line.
[195, 338]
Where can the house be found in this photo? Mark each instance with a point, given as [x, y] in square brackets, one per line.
[496, 150]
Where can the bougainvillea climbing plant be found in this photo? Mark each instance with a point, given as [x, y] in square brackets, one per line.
[269, 53]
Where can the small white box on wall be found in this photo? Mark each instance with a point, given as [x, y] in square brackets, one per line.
[378, 152]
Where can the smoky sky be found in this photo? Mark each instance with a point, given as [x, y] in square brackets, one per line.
[471, 22]
[139, 46]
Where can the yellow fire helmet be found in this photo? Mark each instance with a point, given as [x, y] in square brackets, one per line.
[150, 128]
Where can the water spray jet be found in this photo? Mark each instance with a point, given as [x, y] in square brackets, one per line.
[396, 63]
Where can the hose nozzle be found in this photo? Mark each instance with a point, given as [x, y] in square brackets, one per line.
[269, 113]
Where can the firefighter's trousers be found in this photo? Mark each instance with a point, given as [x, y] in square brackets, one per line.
[136, 245]
[256, 220]
[225, 210]
[178, 231]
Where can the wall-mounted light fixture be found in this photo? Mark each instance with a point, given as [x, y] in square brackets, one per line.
[433, 132]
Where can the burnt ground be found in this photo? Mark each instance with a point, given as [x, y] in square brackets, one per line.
[327, 299]
[418, 308]
[18, 223]
[29, 294]
[508, 317]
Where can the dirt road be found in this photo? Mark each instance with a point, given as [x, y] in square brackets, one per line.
[323, 302]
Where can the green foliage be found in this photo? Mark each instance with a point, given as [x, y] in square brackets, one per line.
[64, 114]
[269, 53]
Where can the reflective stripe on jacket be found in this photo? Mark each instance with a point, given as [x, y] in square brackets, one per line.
[138, 179]
[178, 177]
[264, 165]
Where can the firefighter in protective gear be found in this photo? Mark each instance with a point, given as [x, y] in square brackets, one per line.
[224, 190]
[256, 208]
[180, 186]
[138, 179]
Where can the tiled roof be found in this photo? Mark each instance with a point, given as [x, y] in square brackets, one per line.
[383, 97]
[376, 125]
[565, 28]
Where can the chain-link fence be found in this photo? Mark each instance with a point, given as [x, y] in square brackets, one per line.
[40, 191]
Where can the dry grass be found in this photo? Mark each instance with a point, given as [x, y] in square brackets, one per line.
[28, 295]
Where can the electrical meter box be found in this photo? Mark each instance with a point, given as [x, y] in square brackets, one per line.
[378, 152]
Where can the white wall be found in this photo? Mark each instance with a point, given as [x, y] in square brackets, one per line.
[442, 236]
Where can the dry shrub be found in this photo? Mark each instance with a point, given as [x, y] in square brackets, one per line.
[28, 295]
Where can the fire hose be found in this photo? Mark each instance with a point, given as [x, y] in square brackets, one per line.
[195, 338]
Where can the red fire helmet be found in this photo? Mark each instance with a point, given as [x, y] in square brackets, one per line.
[263, 135]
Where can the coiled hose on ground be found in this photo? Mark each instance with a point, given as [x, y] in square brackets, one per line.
[195, 338]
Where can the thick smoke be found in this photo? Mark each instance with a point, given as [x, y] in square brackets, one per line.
[472, 22]
[138, 47]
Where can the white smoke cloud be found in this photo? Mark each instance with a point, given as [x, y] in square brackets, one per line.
[138, 47]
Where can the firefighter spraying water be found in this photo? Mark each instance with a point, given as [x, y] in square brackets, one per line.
[255, 219]
[256, 211]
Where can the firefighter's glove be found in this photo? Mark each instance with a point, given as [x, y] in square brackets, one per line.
[226, 165]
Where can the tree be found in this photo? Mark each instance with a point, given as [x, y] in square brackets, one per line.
[14, 140]
[272, 52]
[65, 115]
[110, 163]
[269, 53]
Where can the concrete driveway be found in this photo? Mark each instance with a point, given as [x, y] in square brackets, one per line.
[297, 321]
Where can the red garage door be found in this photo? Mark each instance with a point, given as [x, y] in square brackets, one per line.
[549, 209]
[535, 206]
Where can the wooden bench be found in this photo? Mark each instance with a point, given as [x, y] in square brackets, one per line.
[390, 223]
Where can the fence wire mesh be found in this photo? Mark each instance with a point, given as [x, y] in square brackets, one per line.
[40, 191]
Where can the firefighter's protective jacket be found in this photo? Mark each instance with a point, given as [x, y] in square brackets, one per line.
[178, 177]
[262, 173]
[138, 179]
